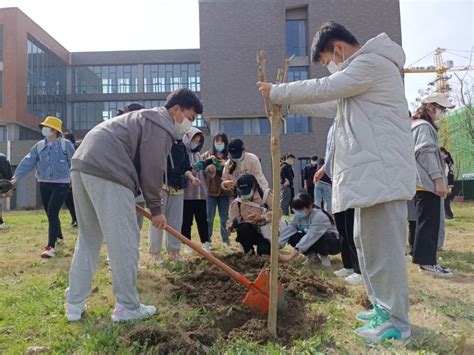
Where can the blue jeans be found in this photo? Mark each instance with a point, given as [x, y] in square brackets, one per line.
[323, 193]
[222, 203]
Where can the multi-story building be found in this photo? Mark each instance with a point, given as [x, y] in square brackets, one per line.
[39, 77]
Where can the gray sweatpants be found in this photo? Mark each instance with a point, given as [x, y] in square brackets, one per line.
[104, 209]
[173, 207]
[380, 238]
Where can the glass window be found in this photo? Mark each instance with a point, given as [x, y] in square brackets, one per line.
[1, 43]
[106, 79]
[297, 124]
[170, 77]
[46, 82]
[297, 73]
[3, 134]
[296, 37]
[244, 126]
[199, 122]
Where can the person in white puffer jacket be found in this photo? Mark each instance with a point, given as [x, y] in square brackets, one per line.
[373, 166]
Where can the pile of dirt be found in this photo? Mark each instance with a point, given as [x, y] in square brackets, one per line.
[203, 284]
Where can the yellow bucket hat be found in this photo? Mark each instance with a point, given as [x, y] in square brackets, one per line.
[52, 122]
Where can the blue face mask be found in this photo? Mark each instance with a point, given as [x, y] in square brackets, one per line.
[300, 214]
[248, 196]
[219, 147]
[238, 160]
[194, 146]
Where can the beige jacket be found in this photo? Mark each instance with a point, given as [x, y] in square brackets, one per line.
[249, 165]
[241, 211]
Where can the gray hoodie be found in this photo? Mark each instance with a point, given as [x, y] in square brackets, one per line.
[315, 225]
[130, 150]
[429, 163]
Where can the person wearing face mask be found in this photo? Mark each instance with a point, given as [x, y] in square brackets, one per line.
[308, 174]
[311, 232]
[250, 215]
[287, 176]
[195, 194]
[373, 165]
[218, 197]
[241, 162]
[51, 157]
[118, 159]
[431, 183]
[178, 171]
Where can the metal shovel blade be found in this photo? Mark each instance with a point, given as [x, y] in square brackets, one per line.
[257, 297]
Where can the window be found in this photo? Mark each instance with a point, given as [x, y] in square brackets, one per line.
[297, 124]
[88, 114]
[106, 79]
[199, 122]
[296, 37]
[46, 82]
[297, 73]
[3, 134]
[170, 77]
[244, 126]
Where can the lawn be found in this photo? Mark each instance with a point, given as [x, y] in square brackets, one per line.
[32, 311]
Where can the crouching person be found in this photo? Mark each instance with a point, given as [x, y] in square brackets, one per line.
[250, 215]
[311, 232]
[117, 159]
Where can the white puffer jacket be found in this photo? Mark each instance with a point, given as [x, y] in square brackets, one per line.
[374, 159]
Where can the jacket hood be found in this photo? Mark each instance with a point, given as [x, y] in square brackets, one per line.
[381, 45]
[159, 116]
[189, 135]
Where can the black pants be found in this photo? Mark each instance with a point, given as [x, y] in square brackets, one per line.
[345, 226]
[198, 210]
[427, 228]
[69, 202]
[448, 212]
[53, 196]
[311, 192]
[411, 235]
[248, 235]
[328, 244]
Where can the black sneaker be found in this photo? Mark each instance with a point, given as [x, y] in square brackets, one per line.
[436, 270]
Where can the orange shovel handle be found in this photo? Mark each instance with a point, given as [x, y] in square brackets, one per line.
[198, 249]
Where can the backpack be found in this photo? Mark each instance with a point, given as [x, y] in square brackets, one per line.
[41, 144]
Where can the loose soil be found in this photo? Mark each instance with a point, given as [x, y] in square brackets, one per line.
[205, 286]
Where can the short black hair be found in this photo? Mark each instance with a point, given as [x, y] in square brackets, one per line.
[302, 200]
[186, 99]
[70, 137]
[324, 38]
[134, 106]
[314, 158]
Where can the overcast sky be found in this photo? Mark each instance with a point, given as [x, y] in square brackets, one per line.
[95, 25]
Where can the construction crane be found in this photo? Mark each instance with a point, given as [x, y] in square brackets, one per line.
[440, 68]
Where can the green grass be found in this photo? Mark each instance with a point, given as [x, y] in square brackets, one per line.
[32, 293]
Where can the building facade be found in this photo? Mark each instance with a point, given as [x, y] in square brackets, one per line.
[83, 89]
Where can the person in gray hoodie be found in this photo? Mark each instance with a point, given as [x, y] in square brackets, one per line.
[431, 183]
[311, 232]
[373, 168]
[117, 160]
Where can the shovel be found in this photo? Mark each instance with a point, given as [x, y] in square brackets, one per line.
[257, 297]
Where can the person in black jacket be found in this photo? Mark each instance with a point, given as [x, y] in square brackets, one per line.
[287, 177]
[179, 167]
[308, 176]
[5, 173]
[448, 159]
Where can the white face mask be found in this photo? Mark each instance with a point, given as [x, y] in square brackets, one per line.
[438, 114]
[183, 127]
[46, 131]
[332, 66]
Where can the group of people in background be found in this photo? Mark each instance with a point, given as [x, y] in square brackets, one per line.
[354, 200]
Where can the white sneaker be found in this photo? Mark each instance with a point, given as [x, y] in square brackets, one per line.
[107, 259]
[48, 252]
[343, 272]
[187, 250]
[121, 314]
[3, 225]
[73, 312]
[325, 261]
[354, 279]
[207, 247]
